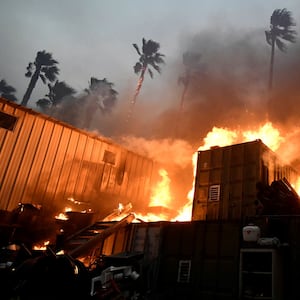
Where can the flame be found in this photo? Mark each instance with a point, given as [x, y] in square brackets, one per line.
[161, 195]
[63, 216]
[269, 135]
[42, 246]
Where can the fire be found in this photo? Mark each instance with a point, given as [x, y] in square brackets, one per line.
[62, 216]
[42, 246]
[225, 137]
[161, 195]
[268, 134]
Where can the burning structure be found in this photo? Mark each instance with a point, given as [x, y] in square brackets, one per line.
[51, 164]
[228, 180]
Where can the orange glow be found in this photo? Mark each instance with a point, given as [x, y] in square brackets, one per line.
[221, 137]
[150, 217]
[161, 193]
[41, 247]
[62, 216]
[217, 137]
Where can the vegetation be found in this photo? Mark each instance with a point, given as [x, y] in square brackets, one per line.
[45, 68]
[7, 91]
[281, 23]
[149, 58]
[192, 69]
[100, 95]
[57, 93]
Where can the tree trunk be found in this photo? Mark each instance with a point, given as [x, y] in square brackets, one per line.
[31, 86]
[179, 118]
[271, 65]
[137, 91]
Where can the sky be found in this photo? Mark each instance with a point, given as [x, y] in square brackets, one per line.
[94, 38]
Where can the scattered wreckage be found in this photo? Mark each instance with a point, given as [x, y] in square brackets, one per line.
[58, 271]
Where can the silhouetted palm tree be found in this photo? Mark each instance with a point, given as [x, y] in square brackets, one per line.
[192, 69]
[57, 92]
[43, 67]
[280, 30]
[149, 58]
[100, 95]
[7, 91]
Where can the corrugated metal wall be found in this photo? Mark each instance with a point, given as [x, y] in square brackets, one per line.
[235, 170]
[43, 161]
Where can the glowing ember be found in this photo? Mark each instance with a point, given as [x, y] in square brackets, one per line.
[150, 217]
[41, 247]
[62, 216]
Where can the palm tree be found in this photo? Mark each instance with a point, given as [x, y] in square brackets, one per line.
[192, 69]
[7, 91]
[280, 30]
[43, 67]
[57, 93]
[100, 95]
[149, 58]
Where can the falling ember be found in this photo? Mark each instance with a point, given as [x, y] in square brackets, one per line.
[161, 195]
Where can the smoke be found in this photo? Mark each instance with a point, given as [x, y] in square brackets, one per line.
[230, 92]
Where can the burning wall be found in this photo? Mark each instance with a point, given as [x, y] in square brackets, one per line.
[227, 178]
[46, 162]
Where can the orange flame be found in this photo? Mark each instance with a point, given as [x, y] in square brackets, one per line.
[161, 193]
[42, 246]
[63, 216]
[225, 137]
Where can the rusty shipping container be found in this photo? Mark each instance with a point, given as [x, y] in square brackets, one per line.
[183, 260]
[226, 178]
[47, 162]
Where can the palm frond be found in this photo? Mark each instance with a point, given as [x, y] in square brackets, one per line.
[137, 68]
[268, 37]
[156, 67]
[136, 47]
[43, 78]
[150, 72]
[5, 88]
[158, 58]
[281, 45]
[51, 73]
[289, 36]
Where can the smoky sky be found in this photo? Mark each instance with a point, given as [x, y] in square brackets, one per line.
[230, 91]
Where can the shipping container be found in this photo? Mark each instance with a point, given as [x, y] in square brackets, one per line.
[52, 164]
[226, 179]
